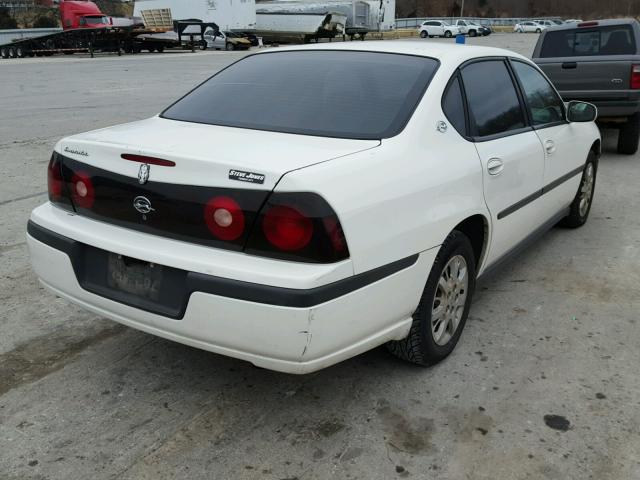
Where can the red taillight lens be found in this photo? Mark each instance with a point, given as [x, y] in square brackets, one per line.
[635, 77]
[224, 218]
[588, 24]
[298, 226]
[83, 193]
[286, 228]
[54, 179]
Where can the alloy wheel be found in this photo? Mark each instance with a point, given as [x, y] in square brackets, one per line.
[450, 300]
[586, 189]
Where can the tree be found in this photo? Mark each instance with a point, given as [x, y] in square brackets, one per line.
[6, 20]
[44, 21]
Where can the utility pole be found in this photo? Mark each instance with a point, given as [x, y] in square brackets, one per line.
[462, 9]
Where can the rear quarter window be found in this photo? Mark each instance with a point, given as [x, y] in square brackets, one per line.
[583, 42]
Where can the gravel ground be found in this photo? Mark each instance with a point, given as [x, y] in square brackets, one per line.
[543, 384]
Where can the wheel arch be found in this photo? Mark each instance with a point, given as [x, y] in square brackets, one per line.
[597, 148]
[476, 229]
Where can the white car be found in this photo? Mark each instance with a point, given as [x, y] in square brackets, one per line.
[307, 204]
[437, 28]
[529, 27]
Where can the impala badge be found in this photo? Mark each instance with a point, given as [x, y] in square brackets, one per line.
[143, 173]
[142, 205]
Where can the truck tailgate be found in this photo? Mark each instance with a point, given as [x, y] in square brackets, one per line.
[591, 74]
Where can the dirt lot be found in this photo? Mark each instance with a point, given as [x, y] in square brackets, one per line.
[544, 383]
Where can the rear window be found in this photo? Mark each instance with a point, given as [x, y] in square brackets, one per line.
[360, 95]
[582, 42]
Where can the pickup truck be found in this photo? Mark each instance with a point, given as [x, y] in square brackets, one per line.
[469, 27]
[598, 62]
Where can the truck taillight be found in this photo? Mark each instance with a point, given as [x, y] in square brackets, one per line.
[635, 77]
[298, 226]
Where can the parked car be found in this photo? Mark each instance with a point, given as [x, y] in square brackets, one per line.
[225, 41]
[598, 62]
[437, 28]
[301, 206]
[546, 23]
[573, 20]
[529, 27]
[558, 22]
[468, 27]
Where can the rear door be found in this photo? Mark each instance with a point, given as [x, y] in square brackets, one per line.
[588, 62]
[510, 153]
[563, 161]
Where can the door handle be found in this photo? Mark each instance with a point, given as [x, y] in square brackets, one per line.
[550, 147]
[569, 65]
[495, 166]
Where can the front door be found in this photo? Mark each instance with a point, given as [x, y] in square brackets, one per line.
[510, 152]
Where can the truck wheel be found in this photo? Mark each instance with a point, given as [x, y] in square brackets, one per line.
[20, 52]
[151, 50]
[444, 306]
[423, 34]
[12, 52]
[229, 47]
[4, 52]
[160, 49]
[629, 135]
[448, 34]
[473, 33]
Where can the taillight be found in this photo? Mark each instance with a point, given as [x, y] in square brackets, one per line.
[286, 228]
[145, 159]
[298, 226]
[224, 218]
[54, 179]
[635, 77]
[83, 193]
[588, 24]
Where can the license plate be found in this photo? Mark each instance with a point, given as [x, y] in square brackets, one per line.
[134, 276]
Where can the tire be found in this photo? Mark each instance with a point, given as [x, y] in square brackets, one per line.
[12, 52]
[427, 344]
[473, 33]
[4, 52]
[229, 47]
[20, 52]
[424, 34]
[448, 34]
[629, 136]
[581, 205]
[160, 49]
[538, 30]
[152, 50]
[203, 45]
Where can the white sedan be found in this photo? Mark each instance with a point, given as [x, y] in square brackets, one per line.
[529, 27]
[307, 204]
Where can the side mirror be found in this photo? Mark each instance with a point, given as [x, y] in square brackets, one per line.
[581, 112]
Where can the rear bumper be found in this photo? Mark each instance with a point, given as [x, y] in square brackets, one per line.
[610, 104]
[289, 330]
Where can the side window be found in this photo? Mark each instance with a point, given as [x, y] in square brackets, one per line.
[453, 106]
[544, 103]
[493, 102]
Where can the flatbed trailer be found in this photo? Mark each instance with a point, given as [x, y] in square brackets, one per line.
[110, 39]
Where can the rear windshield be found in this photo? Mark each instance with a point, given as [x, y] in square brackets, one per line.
[615, 40]
[344, 94]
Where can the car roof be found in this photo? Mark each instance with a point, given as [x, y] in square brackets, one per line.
[444, 52]
[600, 23]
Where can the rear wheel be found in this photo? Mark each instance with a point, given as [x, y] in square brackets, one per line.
[160, 49]
[4, 52]
[473, 33]
[538, 30]
[20, 52]
[443, 309]
[12, 52]
[629, 136]
[581, 205]
[423, 34]
[203, 45]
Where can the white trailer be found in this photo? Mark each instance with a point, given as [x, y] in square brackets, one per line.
[284, 26]
[234, 15]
